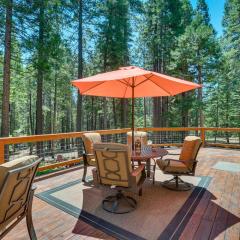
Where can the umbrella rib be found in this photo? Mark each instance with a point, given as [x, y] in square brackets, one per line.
[161, 87]
[127, 85]
[147, 78]
[125, 82]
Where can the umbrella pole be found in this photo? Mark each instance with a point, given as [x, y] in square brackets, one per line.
[133, 116]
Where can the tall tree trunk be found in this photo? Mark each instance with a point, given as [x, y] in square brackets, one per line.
[124, 112]
[92, 113]
[7, 74]
[12, 118]
[55, 103]
[6, 70]
[80, 64]
[200, 97]
[40, 74]
[31, 124]
[145, 112]
[184, 111]
[30, 118]
[114, 113]
[105, 113]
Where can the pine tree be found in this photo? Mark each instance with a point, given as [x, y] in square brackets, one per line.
[162, 29]
[113, 44]
[180, 68]
[231, 70]
[7, 70]
[197, 55]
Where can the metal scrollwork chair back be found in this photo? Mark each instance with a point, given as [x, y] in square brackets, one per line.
[16, 193]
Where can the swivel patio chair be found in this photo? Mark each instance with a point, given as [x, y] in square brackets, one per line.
[142, 136]
[16, 193]
[115, 171]
[185, 166]
[88, 156]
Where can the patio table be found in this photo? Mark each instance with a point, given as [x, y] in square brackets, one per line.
[147, 153]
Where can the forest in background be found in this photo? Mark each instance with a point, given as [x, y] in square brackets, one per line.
[46, 44]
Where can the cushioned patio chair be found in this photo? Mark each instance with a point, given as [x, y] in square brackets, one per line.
[16, 193]
[114, 169]
[186, 164]
[88, 156]
[137, 135]
[142, 136]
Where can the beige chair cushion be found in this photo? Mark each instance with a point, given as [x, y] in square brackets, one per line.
[114, 168]
[89, 139]
[172, 166]
[137, 135]
[11, 165]
[189, 150]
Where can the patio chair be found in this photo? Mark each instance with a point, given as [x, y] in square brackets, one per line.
[137, 135]
[88, 156]
[142, 136]
[185, 166]
[114, 170]
[16, 193]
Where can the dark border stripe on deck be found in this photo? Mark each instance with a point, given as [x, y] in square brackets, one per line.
[172, 231]
[176, 226]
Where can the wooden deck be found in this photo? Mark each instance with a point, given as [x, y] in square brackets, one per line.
[217, 216]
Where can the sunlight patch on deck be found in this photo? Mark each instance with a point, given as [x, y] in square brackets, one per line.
[227, 166]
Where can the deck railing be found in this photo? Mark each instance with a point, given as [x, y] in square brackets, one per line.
[65, 149]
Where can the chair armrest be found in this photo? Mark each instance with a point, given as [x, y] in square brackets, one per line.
[174, 160]
[88, 154]
[138, 170]
[174, 154]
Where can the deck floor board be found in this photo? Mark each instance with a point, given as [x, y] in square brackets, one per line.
[216, 216]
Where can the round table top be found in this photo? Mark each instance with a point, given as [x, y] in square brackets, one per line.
[148, 152]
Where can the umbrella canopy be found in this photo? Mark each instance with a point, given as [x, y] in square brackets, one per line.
[132, 82]
[120, 84]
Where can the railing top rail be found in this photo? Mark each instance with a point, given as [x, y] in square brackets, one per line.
[59, 136]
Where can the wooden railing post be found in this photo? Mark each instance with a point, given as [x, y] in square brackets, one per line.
[2, 159]
[202, 135]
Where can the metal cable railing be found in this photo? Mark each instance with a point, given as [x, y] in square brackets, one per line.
[68, 147]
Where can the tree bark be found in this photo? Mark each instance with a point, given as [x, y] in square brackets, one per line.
[184, 111]
[145, 112]
[114, 114]
[124, 112]
[80, 64]
[55, 102]
[200, 97]
[7, 71]
[40, 76]
[40, 71]
[31, 124]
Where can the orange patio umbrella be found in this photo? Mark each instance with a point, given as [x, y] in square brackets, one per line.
[132, 82]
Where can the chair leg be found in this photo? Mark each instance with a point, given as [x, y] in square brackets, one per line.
[84, 168]
[119, 203]
[140, 192]
[29, 221]
[177, 184]
[176, 179]
[154, 170]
